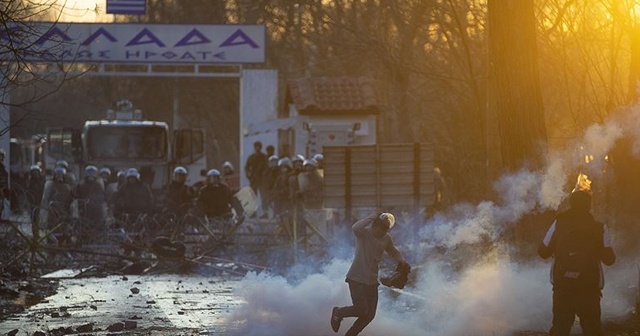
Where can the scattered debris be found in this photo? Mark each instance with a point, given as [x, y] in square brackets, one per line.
[137, 268]
[165, 248]
[67, 273]
[85, 328]
[129, 325]
[35, 276]
[118, 326]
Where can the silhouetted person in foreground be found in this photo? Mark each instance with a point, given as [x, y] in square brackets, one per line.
[579, 245]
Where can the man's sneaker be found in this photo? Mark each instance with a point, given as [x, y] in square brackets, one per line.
[335, 320]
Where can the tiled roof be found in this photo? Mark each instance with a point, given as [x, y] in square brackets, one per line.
[332, 95]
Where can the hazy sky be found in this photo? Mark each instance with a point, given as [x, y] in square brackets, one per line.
[84, 10]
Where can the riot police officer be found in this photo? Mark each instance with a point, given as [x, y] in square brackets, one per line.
[178, 196]
[134, 198]
[215, 199]
[91, 196]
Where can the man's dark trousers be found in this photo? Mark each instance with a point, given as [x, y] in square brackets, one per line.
[569, 303]
[365, 303]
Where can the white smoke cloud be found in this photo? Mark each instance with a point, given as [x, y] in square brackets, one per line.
[493, 297]
[601, 138]
[277, 307]
[496, 297]
[472, 227]
[551, 195]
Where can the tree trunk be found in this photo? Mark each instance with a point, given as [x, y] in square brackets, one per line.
[518, 99]
[634, 66]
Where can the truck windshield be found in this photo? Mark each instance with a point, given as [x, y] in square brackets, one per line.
[127, 142]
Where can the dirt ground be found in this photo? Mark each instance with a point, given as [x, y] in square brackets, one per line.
[168, 304]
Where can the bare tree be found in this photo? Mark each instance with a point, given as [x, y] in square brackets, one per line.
[585, 49]
[18, 49]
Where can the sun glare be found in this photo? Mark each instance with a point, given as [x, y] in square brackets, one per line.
[635, 11]
[83, 11]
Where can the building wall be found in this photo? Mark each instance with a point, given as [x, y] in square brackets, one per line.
[258, 104]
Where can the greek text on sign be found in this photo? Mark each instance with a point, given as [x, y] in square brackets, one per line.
[135, 43]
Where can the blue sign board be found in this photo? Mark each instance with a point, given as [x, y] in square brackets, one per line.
[134, 43]
[131, 7]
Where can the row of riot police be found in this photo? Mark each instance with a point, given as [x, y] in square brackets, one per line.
[293, 190]
[298, 182]
[212, 198]
[291, 186]
[274, 178]
[51, 201]
[92, 194]
[285, 184]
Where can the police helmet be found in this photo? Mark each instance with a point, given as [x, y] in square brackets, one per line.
[59, 173]
[35, 168]
[310, 163]
[318, 157]
[122, 173]
[132, 172]
[62, 163]
[105, 171]
[272, 161]
[213, 172]
[180, 170]
[285, 162]
[91, 171]
[227, 165]
[298, 158]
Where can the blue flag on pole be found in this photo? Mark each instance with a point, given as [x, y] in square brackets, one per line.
[131, 7]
